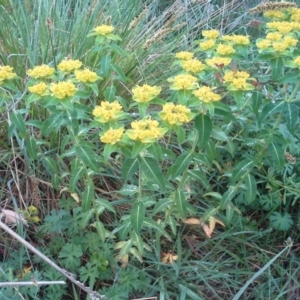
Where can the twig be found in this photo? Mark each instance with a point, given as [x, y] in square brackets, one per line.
[93, 294]
[24, 283]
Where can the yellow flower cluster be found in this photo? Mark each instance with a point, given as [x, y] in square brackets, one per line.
[297, 61]
[112, 136]
[283, 27]
[218, 62]
[184, 55]
[237, 39]
[31, 214]
[63, 89]
[280, 46]
[206, 45]
[206, 95]
[274, 36]
[230, 75]
[263, 44]
[274, 14]
[145, 131]
[39, 88]
[107, 111]
[295, 15]
[238, 80]
[69, 65]
[42, 71]
[193, 65]
[104, 29]
[86, 75]
[225, 50]
[6, 73]
[210, 34]
[183, 82]
[145, 93]
[175, 114]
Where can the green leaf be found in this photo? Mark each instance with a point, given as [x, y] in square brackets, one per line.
[187, 293]
[86, 154]
[238, 97]
[289, 78]
[129, 168]
[277, 65]
[108, 150]
[103, 203]
[137, 148]
[155, 150]
[181, 203]
[161, 206]
[51, 164]
[17, 120]
[199, 175]
[218, 134]
[180, 132]
[105, 65]
[110, 93]
[241, 168]
[30, 144]
[203, 125]
[86, 217]
[137, 216]
[152, 224]
[120, 72]
[125, 249]
[227, 196]
[277, 155]
[77, 174]
[280, 221]
[210, 150]
[256, 101]
[138, 241]
[53, 122]
[251, 188]
[180, 165]
[70, 255]
[101, 230]
[291, 113]
[152, 168]
[88, 196]
[270, 109]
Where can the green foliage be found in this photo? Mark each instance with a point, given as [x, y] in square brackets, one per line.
[150, 164]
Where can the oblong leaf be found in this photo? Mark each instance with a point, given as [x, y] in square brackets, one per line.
[181, 203]
[203, 125]
[251, 188]
[86, 154]
[137, 216]
[129, 167]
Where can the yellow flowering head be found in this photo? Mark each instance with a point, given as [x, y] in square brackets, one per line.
[145, 131]
[229, 75]
[63, 89]
[42, 71]
[211, 34]
[193, 66]
[274, 14]
[183, 82]
[240, 84]
[263, 44]
[297, 61]
[184, 55]
[86, 76]
[218, 62]
[69, 65]
[206, 45]
[206, 95]
[32, 209]
[225, 50]
[280, 46]
[291, 42]
[282, 27]
[6, 73]
[35, 219]
[274, 36]
[175, 114]
[108, 111]
[145, 93]
[39, 88]
[103, 30]
[240, 39]
[112, 136]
